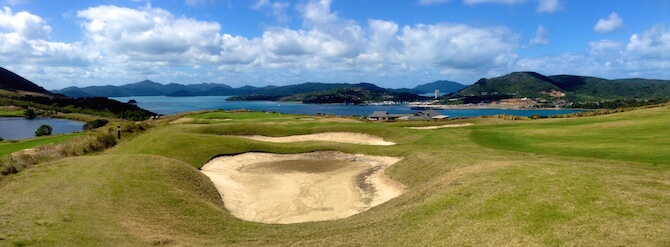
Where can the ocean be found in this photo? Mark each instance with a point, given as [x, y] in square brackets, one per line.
[173, 105]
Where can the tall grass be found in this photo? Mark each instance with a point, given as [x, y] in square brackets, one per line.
[94, 142]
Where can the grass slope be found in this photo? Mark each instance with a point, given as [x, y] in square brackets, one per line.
[10, 147]
[464, 189]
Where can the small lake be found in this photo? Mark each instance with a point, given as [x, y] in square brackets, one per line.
[17, 128]
[172, 105]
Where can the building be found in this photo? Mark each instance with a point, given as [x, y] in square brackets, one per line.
[422, 115]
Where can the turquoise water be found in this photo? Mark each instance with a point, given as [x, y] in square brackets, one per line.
[172, 105]
[17, 128]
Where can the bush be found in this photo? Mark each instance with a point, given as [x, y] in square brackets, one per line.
[90, 125]
[44, 130]
[29, 113]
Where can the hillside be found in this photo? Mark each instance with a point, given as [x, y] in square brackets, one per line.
[23, 94]
[352, 95]
[148, 88]
[328, 93]
[12, 82]
[444, 86]
[575, 88]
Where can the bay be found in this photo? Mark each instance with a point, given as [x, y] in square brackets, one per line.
[173, 105]
[17, 128]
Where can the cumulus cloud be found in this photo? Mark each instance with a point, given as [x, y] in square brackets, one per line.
[457, 46]
[540, 37]
[151, 34]
[24, 39]
[604, 46]
[493, 1]
[650, 45]
[612, 23]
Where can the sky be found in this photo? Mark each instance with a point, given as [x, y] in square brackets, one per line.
[390, 43]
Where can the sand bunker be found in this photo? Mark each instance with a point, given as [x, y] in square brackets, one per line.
[440, 126]
[343, 137]
[293, 188]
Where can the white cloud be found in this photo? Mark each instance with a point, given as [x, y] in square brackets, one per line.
[17, 2]
[540, 37]
[195, 3]
[612, 23]
[277, 8]
[431, 2]
[23, 39]
[548, 6]
[544, 6]
[151, 35]
[650, 45]
[457, 46]
[604, 46]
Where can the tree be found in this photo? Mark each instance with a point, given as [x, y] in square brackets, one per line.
[29, 113]
[44, 130]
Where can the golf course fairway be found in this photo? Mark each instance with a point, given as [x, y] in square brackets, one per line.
[588, 181]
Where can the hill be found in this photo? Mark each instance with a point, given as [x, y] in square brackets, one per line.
[148, 88]
[572, 87]
[12, 82]
[327, 93]
[20, 92]
[444, 86]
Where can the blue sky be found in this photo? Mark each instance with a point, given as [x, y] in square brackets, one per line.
[394, 44]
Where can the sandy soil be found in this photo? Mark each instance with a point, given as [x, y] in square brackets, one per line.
[440, 126]
[293, 188]
[343, 137]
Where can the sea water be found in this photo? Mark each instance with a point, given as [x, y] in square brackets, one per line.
[172, 105]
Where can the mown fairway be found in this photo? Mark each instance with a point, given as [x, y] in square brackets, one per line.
[594, 181]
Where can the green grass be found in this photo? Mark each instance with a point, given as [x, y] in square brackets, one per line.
[10, 147]
[496, 183]
[640, 136]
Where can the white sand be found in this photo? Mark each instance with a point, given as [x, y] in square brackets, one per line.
[440, 126]
[343, 137]
[293, 188]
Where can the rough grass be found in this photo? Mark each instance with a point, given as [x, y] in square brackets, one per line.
[8, 147]
[463, 190]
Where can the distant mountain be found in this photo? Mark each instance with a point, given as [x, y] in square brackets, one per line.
[572, 87]
[444, 86]
[150, 88]
[13, 82]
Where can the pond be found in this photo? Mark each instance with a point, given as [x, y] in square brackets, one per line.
[17, 128]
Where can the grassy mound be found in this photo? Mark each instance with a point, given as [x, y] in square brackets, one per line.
[586, 181]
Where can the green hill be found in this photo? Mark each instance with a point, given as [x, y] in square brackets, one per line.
[444, 86]
[13, 82]
[576, 88]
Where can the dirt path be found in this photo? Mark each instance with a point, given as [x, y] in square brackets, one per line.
[293, 188]
[343, 137]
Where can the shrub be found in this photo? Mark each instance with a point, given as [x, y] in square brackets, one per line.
[29, 113]
[90, 125]
[44, 130]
